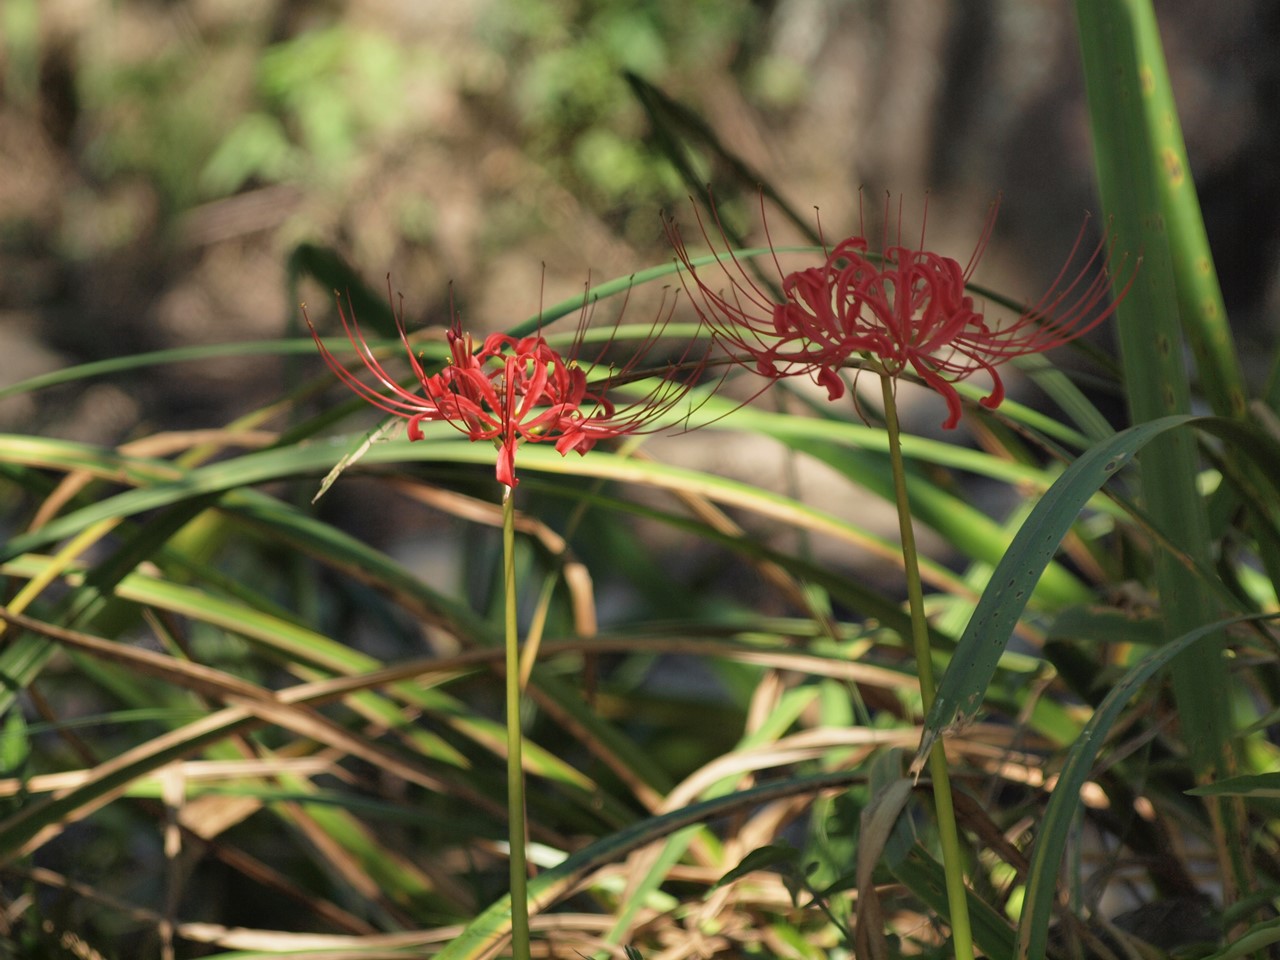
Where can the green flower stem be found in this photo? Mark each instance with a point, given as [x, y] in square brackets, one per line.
[515, 763]
[952, 861]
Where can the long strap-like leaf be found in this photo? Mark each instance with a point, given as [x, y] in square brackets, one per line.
[1151, 348]
[973, 664]
[1055, 825]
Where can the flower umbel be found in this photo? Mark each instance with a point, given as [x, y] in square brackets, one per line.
[905, 311]
[516, 389]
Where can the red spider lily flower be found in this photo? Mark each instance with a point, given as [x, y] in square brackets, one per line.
[907, 310]
[519, 390]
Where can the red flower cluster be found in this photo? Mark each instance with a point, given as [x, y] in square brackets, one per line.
[907, 310]
[516, 390]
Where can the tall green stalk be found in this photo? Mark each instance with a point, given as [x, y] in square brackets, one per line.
[949, 835]
[1118, 77]
[515, 761]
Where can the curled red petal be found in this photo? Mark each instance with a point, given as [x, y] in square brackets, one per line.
[834, 383]
[506, 467]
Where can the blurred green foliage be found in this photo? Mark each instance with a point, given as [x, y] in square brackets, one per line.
[204, 119]
[159, 118]
[318, 96]
[567, 77]
[19, 31]
[373, 812]
[207, 112]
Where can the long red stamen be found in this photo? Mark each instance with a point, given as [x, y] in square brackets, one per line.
[911, 311]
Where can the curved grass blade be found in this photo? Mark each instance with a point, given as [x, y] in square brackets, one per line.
[677, 126]
[850, 591]
[297, 346]
[369, 306]
[486, 933]
[878, 820]
[1254, 941]
[307, 459]
[328, 268]
[973, 664]
[961, 691]
[1064, 392]
[37, 822]
[299, 529]
[1249, 785]
[1055, 825]
[969, 531]
[295, 644]
[651, 872]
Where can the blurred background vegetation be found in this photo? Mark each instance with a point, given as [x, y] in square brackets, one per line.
[160, 161]
[163, 163]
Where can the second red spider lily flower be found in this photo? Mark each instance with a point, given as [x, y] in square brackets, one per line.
[516, 390]
[907, 310]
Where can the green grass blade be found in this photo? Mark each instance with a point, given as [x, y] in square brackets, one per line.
[973, 664]
[1254, 941]
[316, 458]
[850, 591]
[1055, 825]
[961, 691]
[860, 453]
[491, 927]
[1250, 785]
[1151, 349]
[1060, 388]
[639, 890]
[1204, 315]
[295, 644]
[923, 875]
[159, 358]
[679, 131]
